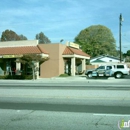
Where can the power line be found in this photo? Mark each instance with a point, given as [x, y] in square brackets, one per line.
[126, 38]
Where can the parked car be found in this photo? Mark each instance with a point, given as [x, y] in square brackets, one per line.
[117, 71]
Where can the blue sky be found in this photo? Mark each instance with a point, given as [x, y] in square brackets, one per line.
[64, 19]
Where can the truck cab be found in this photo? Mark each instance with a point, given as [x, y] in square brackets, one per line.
[104, 71]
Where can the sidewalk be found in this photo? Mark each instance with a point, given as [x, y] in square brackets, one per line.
[77, 78]
[71, 77]
[55, 79]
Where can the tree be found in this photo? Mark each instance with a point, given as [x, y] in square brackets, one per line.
[42, 38]
[128, 53]
[31, 59]
[127, 56]
[127, 59]
[97, 40]
[22, 37]
[9, 35]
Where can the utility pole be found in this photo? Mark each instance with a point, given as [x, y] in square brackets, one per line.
[120, 24]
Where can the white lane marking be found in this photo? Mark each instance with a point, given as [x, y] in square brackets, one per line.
[66, 96]
[66, 85]
[112, 115]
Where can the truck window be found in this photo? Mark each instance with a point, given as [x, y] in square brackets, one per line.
[101, 67]
[120, 66]
[109, 67]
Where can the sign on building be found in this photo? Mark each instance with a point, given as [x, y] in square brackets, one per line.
[11, 56]
[71, 44]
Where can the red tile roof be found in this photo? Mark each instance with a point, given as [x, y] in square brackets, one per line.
[42, 49]
[72, 51]
[22, 50]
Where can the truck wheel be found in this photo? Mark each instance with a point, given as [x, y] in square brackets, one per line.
[118, 75]
[89, 75]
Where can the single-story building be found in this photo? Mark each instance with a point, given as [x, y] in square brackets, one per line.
[12, 50]
[104, 59]
[63, 58]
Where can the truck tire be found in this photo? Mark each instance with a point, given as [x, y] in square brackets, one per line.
[118, 75]
[89, 75]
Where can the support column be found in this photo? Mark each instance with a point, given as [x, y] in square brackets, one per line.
[73, 66]
[83, 65]
[37, 70]
[18, 68]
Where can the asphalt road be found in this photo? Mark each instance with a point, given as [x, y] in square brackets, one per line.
[82, 83]
[67, 107]
[48, 120]
[71, 105]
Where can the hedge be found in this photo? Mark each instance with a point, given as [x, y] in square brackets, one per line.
[16, 77]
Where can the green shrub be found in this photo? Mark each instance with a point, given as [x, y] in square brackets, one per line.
[28, 77]
[2, 77]
[63, 75]
[19, 77]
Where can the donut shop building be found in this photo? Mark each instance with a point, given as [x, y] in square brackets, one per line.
[62, 58]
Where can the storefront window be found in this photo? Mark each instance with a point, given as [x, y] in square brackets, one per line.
[10, 66]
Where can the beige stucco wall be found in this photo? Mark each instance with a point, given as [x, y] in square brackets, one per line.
[19, 43]
[55, 65]
[61, 59]
[91, 67]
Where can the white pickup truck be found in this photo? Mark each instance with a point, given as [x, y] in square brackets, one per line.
[117, 71]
